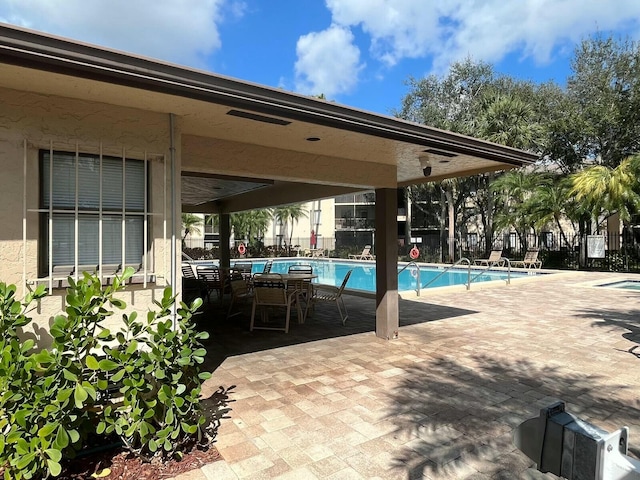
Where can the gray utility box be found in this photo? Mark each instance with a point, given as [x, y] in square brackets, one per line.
[564, 445]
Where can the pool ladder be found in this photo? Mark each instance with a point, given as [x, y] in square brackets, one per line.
[417, 275]
[462, 261]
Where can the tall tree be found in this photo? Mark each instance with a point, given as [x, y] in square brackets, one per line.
[607, 191]
[190, 225]
[599, 120]
[514, 190]
[251, 224]
[473, 100]
[290, 215]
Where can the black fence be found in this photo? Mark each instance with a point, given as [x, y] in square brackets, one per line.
[603, 252]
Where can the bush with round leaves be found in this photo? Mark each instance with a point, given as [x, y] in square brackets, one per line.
[51, 400]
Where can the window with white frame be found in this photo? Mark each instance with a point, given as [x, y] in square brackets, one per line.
[92, 210]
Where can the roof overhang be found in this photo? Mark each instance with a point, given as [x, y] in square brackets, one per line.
[227, 113]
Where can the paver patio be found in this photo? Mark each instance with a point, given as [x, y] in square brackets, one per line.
[333, 402]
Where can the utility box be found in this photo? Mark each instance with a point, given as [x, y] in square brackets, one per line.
[564, 445]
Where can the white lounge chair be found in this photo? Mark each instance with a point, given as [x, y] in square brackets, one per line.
[530, 260]
[365, 255]
[494, 259]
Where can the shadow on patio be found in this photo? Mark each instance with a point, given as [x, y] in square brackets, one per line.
[462, 415]
[229, 337]
[627, 320]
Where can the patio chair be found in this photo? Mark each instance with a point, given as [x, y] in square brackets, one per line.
[329, 293]
[211, 276]
[530, 260]
[239, 292]
[244, 268]
[494, 259]
[303, 287]
[365, 255]
[266, 298]
[192, 286]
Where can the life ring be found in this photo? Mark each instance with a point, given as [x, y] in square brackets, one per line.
[242, 249]
[414, 272]
[414, 253]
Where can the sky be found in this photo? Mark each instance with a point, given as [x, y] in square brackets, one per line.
[355, 52]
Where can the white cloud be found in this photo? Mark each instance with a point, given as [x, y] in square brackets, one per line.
[484, 29]
[328, 62]
[181, 31]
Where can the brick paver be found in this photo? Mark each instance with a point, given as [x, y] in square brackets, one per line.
[441, 402]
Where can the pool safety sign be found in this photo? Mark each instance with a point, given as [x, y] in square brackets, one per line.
[595, 246]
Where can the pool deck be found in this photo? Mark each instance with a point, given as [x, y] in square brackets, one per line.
[441, 401]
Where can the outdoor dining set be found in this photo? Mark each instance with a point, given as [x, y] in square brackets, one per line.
[267, 291]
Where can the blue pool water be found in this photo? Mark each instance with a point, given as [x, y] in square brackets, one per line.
[332, 272]
[624, 284]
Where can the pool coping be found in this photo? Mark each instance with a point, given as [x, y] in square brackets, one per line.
[623, 277]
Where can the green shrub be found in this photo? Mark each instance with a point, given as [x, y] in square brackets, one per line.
[51, 400]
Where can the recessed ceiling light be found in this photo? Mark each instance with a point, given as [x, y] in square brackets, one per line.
[258, 118]
[440, 153]
[313, 139]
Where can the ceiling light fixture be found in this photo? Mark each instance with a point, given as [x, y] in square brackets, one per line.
[440, 153]
[258, 118]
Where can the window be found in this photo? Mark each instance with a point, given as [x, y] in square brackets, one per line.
[211, 225]
[83, 197]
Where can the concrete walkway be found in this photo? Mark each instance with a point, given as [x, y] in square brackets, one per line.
[333, 402]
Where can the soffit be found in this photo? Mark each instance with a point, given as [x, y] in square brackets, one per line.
[35, 62]
[211, 120]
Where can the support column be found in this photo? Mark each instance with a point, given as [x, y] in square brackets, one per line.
[225, 235]
[387, 306]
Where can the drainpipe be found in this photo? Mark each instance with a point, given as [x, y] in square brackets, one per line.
[174, 269]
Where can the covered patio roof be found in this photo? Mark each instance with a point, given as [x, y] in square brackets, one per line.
[245, 145]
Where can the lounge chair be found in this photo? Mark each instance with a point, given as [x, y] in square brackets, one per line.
[365, 255]
[530, 260]
[495, 258]
[329, 293]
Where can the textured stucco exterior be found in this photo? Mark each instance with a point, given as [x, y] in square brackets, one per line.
[30, 123]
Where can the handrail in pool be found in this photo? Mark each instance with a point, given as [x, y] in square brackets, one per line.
[489, 266]
[417, 277]
[459, 262]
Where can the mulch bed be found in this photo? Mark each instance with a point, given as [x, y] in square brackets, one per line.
[124, 466]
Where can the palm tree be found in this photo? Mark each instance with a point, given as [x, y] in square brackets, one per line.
[251, 224]
[551, 202]
[513, 190]
[290, 213]
[190, 225]
[606, 191]
[509, 120]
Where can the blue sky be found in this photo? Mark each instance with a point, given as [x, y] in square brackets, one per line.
[356, 52]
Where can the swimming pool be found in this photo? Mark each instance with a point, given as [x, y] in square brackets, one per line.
[624, 284]
[332, 272]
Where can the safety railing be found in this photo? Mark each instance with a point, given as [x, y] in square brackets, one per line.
[417, 275]
[462, 261]
[500, 262]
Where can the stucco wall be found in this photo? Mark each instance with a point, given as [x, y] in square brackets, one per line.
[31, 122]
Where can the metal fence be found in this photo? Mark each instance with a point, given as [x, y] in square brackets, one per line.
[603, 252]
